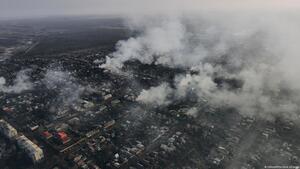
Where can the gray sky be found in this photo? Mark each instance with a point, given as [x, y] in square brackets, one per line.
[39, 8]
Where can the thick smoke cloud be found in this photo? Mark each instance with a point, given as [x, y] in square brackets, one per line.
[21, 83]
[254, 54]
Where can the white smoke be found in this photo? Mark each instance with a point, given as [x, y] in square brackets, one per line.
[258, 50]
[155, 95]
[65, 84]
[184, 42]
[21, 83]
[192, 112]
[257, 98]
[162, 42]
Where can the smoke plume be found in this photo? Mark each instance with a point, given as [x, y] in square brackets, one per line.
[248, 62]
[65, 85]
[156, 96]
[21, 83]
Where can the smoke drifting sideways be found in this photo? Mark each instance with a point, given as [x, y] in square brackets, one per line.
[257, 49]
[21, 83]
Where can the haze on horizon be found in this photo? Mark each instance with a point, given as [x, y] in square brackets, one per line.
[38, 8]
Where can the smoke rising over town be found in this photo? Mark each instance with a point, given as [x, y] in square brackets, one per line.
[256, 55]
[21, 83]
[140, 84]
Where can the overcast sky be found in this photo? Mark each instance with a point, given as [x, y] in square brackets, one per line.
[40, 8]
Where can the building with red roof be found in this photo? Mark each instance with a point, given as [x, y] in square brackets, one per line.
[62, 137]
